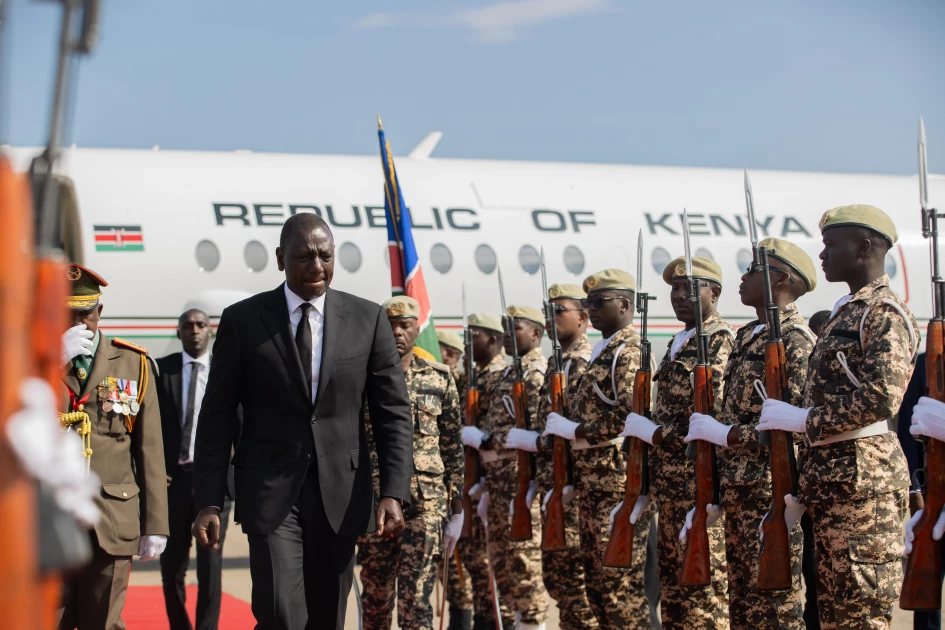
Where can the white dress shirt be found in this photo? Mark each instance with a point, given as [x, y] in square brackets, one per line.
[316, 318]
[201, 363]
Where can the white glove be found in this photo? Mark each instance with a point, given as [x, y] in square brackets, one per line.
[472, 437]
[482, 510]
[937, 530]
[793, 511]
[150, 547]
[560, 426]
[567, 495]
[714, 514]
[522, 440]
[451, 532]
[707, 428]
[641, 504]
[529, 496]
[780, 416]
[75, 341]
[51, 455]
[928, 418]
[478, 488]
[639, 427]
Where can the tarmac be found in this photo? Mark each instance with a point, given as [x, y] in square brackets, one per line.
[236, 582]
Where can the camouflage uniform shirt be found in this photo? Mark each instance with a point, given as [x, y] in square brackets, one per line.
[672, 473]
[879, 348]
[498, 420]
[744, 469]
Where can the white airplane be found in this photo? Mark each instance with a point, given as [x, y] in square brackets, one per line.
[175, 229]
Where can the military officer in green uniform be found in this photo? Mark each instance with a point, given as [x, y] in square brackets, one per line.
[408, 562]
[112, 405]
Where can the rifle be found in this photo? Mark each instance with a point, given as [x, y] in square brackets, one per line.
[522, 517]
[619, 552]
[471, 477]
[553, 538]
[921, 588]
[696, 567]
[774, 563]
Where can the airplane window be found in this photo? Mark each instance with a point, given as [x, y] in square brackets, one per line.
[350, 257]
[744, 259]
[702, 252]
[255, 256]
[485, 259]
[573, 260]
[441, 258]
[659, 258]
[208, 255]
[528, 259]
[891, 267]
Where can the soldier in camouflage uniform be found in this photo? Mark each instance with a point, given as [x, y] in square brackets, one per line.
[853, 476]
[598, 405]
[743, 462]
[459, 588]
[409, 560]
[487, 340]
[562, 571]
[672, 472]
[517, 565]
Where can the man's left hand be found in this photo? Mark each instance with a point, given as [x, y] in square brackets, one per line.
[389, 518]
[560, 426]
[150, 547]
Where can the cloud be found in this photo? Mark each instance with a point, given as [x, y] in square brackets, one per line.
[494, 24]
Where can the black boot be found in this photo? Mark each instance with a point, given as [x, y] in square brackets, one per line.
[460, 619]
[483, 622]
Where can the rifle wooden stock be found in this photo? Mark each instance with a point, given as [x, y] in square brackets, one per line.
[471, 473]
[19, 548]
[696, 567]
[553, 538]
[522, 518]
[774, 567]
[921, 588]
[619, 552]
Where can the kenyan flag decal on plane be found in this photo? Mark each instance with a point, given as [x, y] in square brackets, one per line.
[118, 238]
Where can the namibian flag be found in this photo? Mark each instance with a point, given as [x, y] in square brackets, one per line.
[406, 276]
[118, 238]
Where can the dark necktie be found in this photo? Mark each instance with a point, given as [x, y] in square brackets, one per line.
[189, 413]
[303, 341]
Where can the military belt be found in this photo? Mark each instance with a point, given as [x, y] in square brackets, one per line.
[877, 428]
[580, 444]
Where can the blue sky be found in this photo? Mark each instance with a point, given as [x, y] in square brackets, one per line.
[804, 85]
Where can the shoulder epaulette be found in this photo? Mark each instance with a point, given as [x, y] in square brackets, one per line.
[442, 367]
[124, 343]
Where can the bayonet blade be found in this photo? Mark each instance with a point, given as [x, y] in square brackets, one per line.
[465, 317]
[544, 275]
[502, 293]
[685, 235]
[750, 205]
[640, 262]
[923, 168]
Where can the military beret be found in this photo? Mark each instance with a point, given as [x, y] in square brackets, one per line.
[702, 268]
[402, 306]
[86, 287]
[609, 280]
[486, 322]
[861, 215]
[527, 312]
[794, 257]
[450, 339]
[566, 292]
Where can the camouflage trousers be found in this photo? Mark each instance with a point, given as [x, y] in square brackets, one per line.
[748, 607]
[690, 607]
[617, 596]
[404, 566]
[858, 549]
[563, 575]
[517, 565]
[473, 592]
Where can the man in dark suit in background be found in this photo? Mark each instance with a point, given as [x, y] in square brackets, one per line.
[181, 385]
[302, 360]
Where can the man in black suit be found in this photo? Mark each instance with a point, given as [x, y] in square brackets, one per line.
[181, 385]
[302, 360]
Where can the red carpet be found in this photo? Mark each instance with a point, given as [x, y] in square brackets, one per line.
[144, 610]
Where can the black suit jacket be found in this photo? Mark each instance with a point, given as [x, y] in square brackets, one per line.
[169, 388]
[255, 363]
